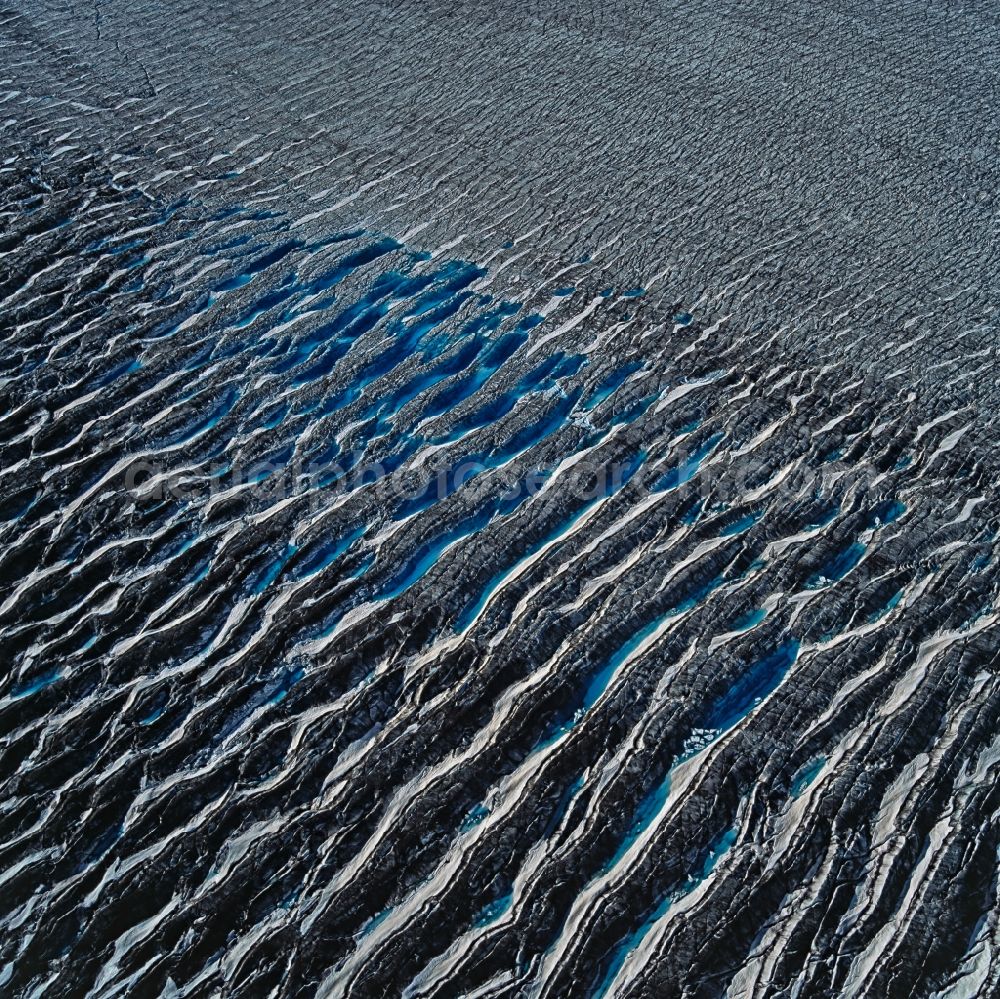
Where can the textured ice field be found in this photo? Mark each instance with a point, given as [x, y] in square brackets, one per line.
[498, 501]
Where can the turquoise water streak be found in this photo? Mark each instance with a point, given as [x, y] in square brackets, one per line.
[757, 682]
[619, 954]
[806, 776]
